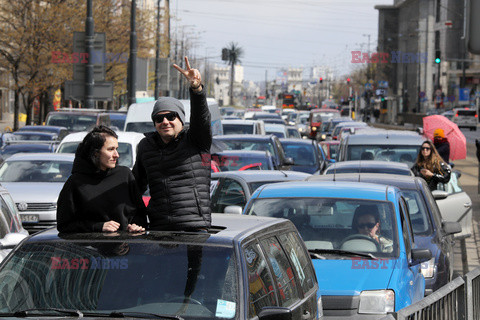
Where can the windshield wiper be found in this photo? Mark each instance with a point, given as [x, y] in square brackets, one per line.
[47, 311]
[343, 252]
[117, 314]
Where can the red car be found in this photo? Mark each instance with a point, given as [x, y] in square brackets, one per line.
[330, 148]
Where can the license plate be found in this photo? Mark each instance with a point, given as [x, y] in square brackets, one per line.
[30, 218]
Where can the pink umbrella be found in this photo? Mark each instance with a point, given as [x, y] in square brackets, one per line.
[458, 142]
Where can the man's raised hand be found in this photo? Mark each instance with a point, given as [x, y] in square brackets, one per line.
[192, 75]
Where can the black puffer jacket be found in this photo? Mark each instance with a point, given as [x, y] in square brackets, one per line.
[437, 177]
[91, 197]
[178, 173]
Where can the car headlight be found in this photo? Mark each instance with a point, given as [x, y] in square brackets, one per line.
[324, 136]
[377, 302]
[301, 129]
[428, 268]
[319, 307]
[314, 128]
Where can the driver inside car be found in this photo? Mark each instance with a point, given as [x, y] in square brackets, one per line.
[366, 221]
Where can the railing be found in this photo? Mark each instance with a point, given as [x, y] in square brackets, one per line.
[457, 300]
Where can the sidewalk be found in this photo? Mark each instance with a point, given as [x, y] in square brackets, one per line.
[7, 122]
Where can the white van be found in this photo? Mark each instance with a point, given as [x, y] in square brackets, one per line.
[465, 118]
[139, 116]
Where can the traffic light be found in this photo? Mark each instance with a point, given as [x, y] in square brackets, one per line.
[348, 80]
[321, 80]
[382, 98]
[438, 59]
[224, 54]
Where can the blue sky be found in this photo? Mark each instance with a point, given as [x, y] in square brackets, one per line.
[280, 33]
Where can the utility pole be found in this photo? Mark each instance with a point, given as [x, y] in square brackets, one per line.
[89, 39]
[132, 65]
[157, 54]
[266, 84]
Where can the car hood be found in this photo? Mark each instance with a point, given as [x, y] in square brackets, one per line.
[34, 191]
[351, 276]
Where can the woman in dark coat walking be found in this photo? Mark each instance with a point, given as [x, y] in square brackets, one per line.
[100, 196]
[430, 166]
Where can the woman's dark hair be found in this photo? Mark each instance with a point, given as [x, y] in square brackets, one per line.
[92, 143]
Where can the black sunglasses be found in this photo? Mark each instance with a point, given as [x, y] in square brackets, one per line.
[170, 117]
[369, 225]
[426, 148]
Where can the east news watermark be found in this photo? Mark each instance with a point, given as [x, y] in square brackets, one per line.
[58, 263]
[386, 57]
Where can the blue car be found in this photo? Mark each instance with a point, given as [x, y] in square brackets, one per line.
[307, 155]
[360, 240]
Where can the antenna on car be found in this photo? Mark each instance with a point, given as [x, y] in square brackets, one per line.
[334, 170]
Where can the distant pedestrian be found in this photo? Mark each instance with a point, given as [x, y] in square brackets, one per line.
[100, 196]
[442, 144]
[174, 161]
[430, 166]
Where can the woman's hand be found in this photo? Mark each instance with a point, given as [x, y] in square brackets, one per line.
[134, 228]
[110, 226]
[426, 173]
[193, 76]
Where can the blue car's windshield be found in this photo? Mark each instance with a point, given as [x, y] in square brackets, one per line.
[329, 223]
[103, 277]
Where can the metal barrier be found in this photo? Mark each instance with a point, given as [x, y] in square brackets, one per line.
[472, 294]
[447, 303]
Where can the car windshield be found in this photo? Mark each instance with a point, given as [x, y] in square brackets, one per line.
[368, 169]
[73, 122]
[9, 150]
[327, 223]
[333, 151]
[237, 129]
[303, 119]
[31, 136]
[35, 171]
[240, 163]
[141, 127]
[316, 117]
[249, 145]
[255, 185]
[124, 151]
[102, 277]
[398, 153]
[302, 155]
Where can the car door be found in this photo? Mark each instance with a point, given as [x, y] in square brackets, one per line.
[457, 206]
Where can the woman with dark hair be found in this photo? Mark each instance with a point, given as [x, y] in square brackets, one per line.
[100, 196]
[430, 166]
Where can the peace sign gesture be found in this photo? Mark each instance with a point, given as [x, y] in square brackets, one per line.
[193, 75]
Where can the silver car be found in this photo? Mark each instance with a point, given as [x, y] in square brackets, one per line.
[35, 180]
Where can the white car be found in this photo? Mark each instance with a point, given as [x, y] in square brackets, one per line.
[279, 130]
[127, 145]
[34, 181]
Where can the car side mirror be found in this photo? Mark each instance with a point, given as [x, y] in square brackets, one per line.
[331, 160]
[288, 162]
[11, 240]
[439, 195]
[233, 209]
[420, 255]
[275, 313]
[451, 227]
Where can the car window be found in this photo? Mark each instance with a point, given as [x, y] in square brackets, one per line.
[398, 153]
[123, 276]
[35, 171]
[16, 223]
[407, 237]
[250, 145]
[230, 193]
[238, 129]
[301, 262]
[141, 127]
[125, 152]
[262, 292]
[282, 272]
[302, 155]
[418, 212]
[7, 221]
[281, 152]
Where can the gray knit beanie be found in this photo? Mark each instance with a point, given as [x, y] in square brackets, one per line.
[169, 104]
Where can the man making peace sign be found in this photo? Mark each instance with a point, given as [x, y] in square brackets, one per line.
[173, 161]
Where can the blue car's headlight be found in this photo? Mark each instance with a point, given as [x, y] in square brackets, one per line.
[377, 301]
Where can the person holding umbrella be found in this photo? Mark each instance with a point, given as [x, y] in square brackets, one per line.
[441, 144]
[430, 166]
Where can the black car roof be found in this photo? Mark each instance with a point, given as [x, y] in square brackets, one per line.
[226, 230]
[251, 137]
[297, 141]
